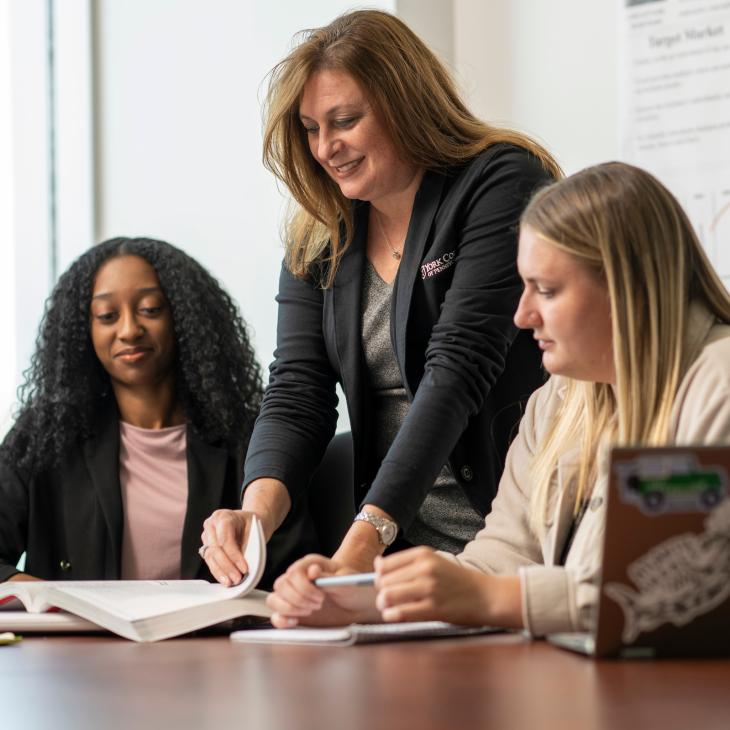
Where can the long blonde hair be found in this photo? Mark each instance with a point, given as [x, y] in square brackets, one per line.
[414, 97]
[627, 227]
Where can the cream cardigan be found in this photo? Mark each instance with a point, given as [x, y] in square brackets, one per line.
[563, 598]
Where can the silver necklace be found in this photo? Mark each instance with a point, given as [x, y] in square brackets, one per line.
[394, 252]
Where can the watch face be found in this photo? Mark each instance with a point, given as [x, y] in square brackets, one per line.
[387, 533]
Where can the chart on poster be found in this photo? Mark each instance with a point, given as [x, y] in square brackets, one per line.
[675, 107]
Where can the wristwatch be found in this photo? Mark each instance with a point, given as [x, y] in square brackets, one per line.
[387, 529]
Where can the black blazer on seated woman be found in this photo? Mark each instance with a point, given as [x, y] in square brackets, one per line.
[69, 519]
[465, 367]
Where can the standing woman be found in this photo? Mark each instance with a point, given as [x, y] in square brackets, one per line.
[134, 419]
[399, 283]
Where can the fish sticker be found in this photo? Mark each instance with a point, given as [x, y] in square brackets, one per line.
[677, 580]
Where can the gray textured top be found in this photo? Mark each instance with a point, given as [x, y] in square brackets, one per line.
[446, 520]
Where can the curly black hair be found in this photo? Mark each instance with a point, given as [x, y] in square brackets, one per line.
[217, 377]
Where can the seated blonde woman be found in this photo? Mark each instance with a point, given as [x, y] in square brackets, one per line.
[633, 323]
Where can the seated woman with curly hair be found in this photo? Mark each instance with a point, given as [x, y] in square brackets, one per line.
[133, 423]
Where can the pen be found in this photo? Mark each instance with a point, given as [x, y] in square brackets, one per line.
[354, 579]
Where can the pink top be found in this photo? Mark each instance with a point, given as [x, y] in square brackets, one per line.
[153, 474]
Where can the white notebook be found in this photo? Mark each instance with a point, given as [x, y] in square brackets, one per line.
[359, 633]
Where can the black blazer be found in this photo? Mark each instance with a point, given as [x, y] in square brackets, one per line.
[465, 367]
[69, 519]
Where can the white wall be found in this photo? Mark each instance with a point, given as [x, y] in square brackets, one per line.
[175, 149]
[7, 225]
[433, 22]
[179, 134]
[25, 218]
[73, 130]
[46, 184]
[548, 68]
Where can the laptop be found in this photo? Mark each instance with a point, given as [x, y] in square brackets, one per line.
[665, 581]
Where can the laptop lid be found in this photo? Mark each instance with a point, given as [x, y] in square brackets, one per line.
[665, 585]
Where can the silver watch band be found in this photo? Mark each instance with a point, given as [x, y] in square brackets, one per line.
[386, 529]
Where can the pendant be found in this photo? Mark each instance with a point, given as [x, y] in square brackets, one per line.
[396, 255]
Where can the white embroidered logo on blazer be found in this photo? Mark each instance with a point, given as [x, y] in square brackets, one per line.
[437, 266]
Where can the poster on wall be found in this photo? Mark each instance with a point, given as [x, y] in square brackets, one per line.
[675, 107]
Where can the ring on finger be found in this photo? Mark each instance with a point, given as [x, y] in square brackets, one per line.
[202, 549]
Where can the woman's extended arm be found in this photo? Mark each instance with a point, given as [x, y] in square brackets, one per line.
[297, 420]
[299, 410]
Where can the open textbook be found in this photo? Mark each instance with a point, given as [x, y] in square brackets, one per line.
[143, 610]
[360, 633]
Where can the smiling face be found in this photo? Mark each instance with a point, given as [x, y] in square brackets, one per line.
[349, 141]
[567, 305]
[131, 324]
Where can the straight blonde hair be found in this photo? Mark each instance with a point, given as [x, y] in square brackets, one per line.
[413, 96]
[627, 227]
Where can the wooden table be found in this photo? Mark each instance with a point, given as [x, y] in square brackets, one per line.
[501, 682]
